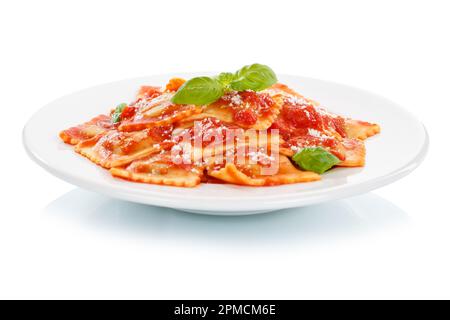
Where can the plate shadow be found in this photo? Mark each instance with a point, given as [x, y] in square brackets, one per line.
[329, 221]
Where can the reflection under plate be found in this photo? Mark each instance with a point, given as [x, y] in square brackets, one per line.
[352, 216]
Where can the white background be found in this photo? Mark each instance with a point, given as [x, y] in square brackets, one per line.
[57, 241]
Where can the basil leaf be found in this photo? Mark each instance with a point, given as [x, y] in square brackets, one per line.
[118, 112]
[254, 77]
[315, 159]
[225, 78]
[199, 91]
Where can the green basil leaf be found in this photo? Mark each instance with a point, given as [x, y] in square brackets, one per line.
[315, 159]
[199, 91]
[117, 112]
[254, 77]
[225, 78]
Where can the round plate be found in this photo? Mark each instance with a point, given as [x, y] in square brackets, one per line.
[395, 152]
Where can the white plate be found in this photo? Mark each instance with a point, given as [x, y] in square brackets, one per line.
[394, 153]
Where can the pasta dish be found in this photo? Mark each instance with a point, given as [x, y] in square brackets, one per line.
[242, 128]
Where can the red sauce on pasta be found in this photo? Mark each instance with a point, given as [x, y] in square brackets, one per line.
[261, 102]
[247, 106]
[128, 112]
[161, 133]
[246, 117]
[304, 125]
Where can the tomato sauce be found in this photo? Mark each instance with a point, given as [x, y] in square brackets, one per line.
[261, 102]
[246, 117]
[248, 106]
[335, 122]
[160, 133]
[129, 145]
[296, 120]
[174, 84]
[128, 113]
[301, 124]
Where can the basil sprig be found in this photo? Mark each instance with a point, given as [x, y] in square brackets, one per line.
[225, 79]
[315, 159]
[206, 90]
[118, 112]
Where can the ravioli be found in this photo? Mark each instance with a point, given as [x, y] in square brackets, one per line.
[348, 127]
[250, 175]
[116, 148]
[159, 169]
[355, 153]
[157, 111]
[351, 152]
[248, 109]
[304, 123]
[284, 90]
[360, 129]
[254, 160]
[87, 130]
[219, 140]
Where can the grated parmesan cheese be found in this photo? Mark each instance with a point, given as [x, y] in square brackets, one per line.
[315, 133]
[297, 100]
